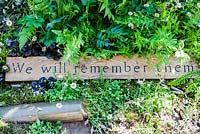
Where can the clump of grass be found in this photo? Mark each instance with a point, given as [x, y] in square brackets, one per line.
[17, 95]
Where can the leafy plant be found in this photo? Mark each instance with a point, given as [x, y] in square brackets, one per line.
[31, 23]
[108, 38]
[17, 95]
[71, 42]
[3, 53]
[44, 127]
[102, 98]
[105, 6]
[62, 91]
[116, 28]
[13, 128]
[190, 82]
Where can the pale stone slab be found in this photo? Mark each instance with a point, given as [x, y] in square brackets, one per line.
[32, 68]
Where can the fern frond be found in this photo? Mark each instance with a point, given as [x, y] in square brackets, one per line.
[72, 50]
[25, 35]
[185, 78]
[71, 42]
[105, 6]
[191, 82]
[37, 5]
[116, 32]
[194, 85]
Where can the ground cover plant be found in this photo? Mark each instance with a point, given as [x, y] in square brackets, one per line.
[104, 28]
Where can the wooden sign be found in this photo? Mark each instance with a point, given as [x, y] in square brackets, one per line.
[32, 68]
[66, 111]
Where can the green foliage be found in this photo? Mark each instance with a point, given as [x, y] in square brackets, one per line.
[11, 96]
[194, 20]
[104, 28]
[105, 6]
[113, 27]
[107, 101]
[103, 98]
[190, 83]
[71, 42]
[62, 91]
[110, 102]
[45, 16]
[111, 36]
[178, 119]
[31, 20]
[113, 102]
[30, 23]
[37, 5]
[151, 98]
[13, 128]
[3, 52]
[164, 39]
[45, 127]
[25, 35]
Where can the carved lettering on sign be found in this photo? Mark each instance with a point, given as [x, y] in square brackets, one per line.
[32, 68]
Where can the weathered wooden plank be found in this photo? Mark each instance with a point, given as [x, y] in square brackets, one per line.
[32, 68]
[58, 111]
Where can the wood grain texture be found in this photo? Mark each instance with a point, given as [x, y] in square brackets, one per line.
[67, 112]
[32, 68]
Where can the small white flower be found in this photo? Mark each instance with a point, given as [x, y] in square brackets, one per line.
[39, 108]
[60, 76]
[5, 67]
[44, 49]
[121, 117]
[172, 9]
[36, 93]
[59, 105]
[18, 2]
[157, 15]
[159, 9]
[73, 85]
[189, 14]
[198, 5]
[198, 25]
[1, 44]
[176, 0]
[64, 84]
[179, 5]
[4, 11]
[146, 5]
[131, 25]
[159, 47]
[167, 4]
[34, 38]
[6, 7]
[140, 82]
[167, 19]
[130, 13]
[180, 54]
[9, 23]
[109, 117]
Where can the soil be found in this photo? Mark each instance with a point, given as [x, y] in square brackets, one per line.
[76, 128]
